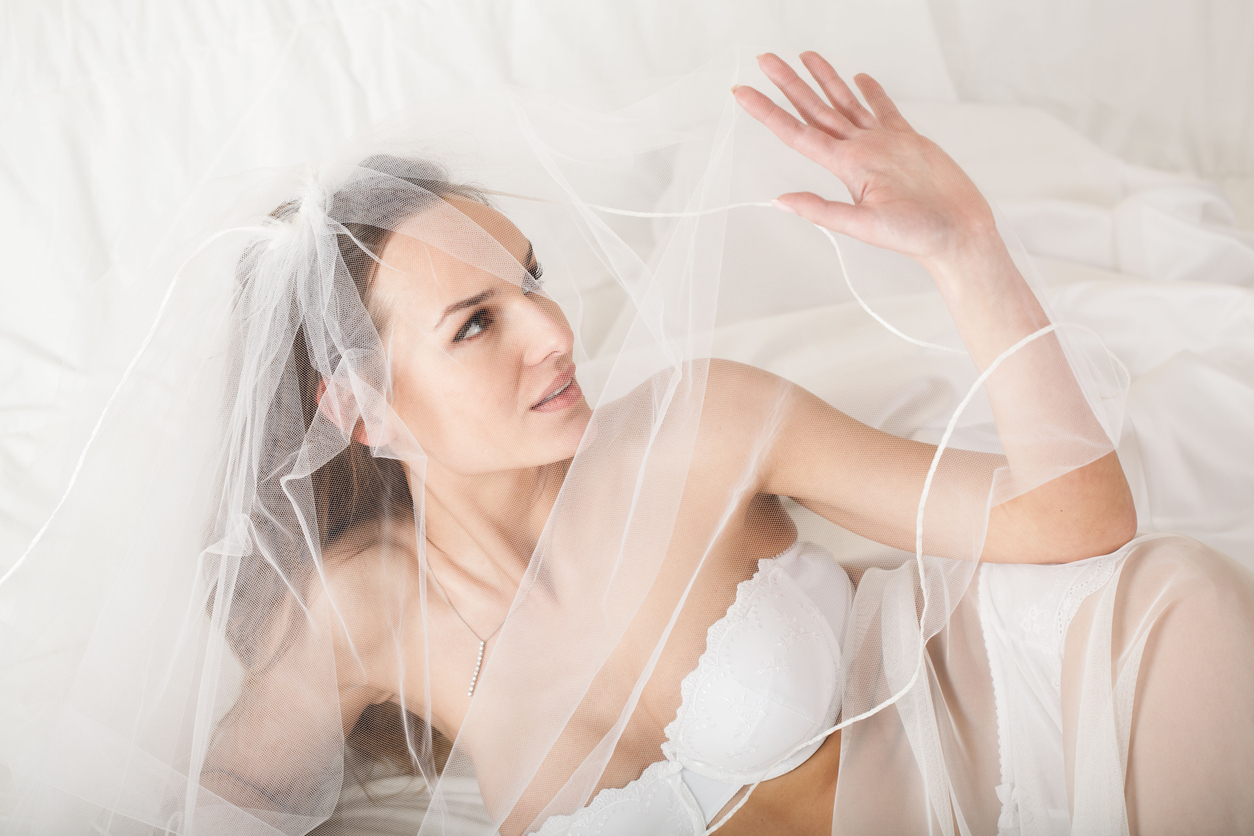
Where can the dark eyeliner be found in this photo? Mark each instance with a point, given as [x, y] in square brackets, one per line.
[481, 316]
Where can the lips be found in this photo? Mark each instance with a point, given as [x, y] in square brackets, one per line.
[564, 385]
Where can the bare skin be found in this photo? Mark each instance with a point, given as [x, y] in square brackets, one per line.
[485, 512]
[798, 803]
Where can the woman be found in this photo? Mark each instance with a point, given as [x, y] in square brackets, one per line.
[606, 611]
[482, 376]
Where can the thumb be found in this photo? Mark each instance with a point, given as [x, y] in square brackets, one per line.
[830, 214]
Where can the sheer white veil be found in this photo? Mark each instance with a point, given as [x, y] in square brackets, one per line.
[179, 637]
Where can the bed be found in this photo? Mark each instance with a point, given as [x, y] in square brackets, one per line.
[1116, 139]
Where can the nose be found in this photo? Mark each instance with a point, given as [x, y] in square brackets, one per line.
[547, 332]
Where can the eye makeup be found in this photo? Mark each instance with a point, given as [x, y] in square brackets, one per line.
[478, 322]
[482, 318]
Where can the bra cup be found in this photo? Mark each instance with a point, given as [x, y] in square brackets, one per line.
[657, 803]
[770, 677]
[769, 680]
[823, 581]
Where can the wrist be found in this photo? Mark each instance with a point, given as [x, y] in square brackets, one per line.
[977, 250]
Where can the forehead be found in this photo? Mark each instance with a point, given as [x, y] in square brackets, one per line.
[459, 230]
[447, 252]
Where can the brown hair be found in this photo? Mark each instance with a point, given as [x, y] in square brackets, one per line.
[354, 491]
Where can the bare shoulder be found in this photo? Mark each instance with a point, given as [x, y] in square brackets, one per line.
[742, 420]
[732, 378]
[744, 410]
[739, 408]
[800, 446]
[742, 399]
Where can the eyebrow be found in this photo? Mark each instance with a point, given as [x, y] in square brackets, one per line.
[469, 302]
[478, 298]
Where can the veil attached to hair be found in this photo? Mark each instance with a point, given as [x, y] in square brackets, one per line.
[179, 639]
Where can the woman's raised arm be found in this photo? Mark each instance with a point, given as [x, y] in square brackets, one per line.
[1071, 499]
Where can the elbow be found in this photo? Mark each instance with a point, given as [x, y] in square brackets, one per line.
[1069, 540]
[1109, 524]
[1116, 523]
[1087, 513]
[1118, 531]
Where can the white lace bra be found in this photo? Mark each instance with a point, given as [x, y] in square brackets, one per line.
[770, 679]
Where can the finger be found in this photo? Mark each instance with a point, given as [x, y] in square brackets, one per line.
[780, 122]
[837, 92]
[812, 109]
[807, 139]
[839, 217]
[885, 111]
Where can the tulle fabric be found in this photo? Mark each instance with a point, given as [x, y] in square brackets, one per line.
[182, 635]
[1127, 639]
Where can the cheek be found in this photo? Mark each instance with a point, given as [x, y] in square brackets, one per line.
[458, 414]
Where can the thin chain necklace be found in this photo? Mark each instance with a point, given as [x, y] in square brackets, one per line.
[483, 641]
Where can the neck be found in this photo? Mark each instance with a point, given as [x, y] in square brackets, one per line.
[484, 528]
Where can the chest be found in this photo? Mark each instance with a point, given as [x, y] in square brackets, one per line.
[766, 686]
[663, 649]
[619, 704]
[660, 642]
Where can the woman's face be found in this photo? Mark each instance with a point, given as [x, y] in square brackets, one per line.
[481, 362]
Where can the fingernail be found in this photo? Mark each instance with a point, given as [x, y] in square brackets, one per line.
[783, 207]
[734, 88]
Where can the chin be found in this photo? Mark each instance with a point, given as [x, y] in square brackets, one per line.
[581, 418]
[558, 436]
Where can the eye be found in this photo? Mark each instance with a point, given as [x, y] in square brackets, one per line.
[477, 324]
[531, 282]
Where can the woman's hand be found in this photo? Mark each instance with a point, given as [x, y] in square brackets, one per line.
[908, 195]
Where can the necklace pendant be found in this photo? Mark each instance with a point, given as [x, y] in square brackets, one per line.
[470, 692]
